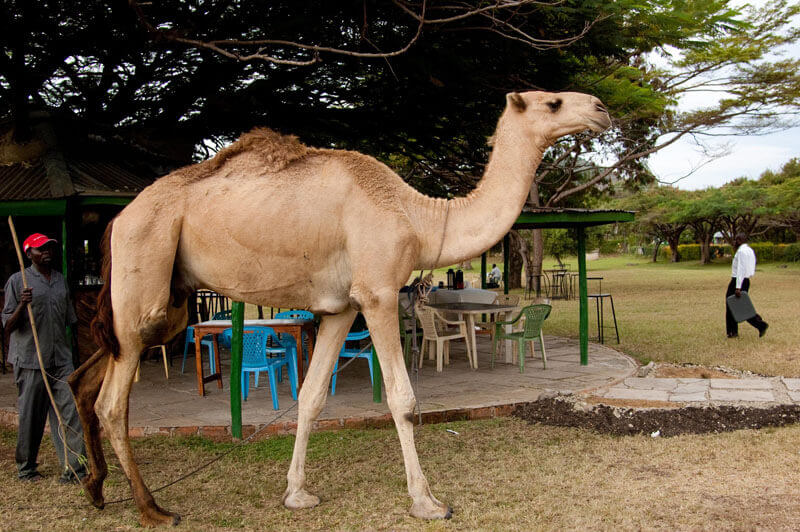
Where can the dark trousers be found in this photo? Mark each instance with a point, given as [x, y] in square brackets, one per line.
[33, 405]
[730, 324]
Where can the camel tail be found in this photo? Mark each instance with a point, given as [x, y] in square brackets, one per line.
[103, 322]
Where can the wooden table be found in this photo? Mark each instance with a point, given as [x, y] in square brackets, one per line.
[467, 312]
[296, 328]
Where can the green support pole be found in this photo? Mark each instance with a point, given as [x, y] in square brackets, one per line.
[65, 273]
[376, 377]
[584, 305]
[483, 271]
[506, 255]
[237, 317]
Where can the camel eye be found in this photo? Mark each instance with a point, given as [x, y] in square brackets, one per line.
[554, 105]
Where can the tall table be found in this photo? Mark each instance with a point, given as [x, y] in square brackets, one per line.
[468, 311]
[294, 327]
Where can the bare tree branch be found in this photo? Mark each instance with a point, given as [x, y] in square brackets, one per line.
[231, 48]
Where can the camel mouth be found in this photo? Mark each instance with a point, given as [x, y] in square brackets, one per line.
[600, 123]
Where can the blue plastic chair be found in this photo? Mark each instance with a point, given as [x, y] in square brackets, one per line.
[206, 341]
[255, 359]
[351, 353]
[295, 315]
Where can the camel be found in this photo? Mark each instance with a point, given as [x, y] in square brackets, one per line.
[272, 222]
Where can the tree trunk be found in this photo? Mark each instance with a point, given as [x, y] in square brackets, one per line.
[516, 260]
[655, 250]
[520, 246]
[673, 247]
[705, 251]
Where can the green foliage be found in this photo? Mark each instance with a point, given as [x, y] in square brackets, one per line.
[765, 252]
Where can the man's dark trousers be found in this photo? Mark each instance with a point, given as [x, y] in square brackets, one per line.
[730, 324]
[34, 406]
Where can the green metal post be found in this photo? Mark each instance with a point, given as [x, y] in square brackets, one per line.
[584, 303]
[506, 255]
[376, 377]
[483, 271]
[237, 317]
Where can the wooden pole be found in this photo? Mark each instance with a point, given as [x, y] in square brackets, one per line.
[584, 299]
[61, 425]
[237, 319]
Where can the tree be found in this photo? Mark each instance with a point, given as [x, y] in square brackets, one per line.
[659, 216]
[702, 211]
[706, 46]
[743, 204]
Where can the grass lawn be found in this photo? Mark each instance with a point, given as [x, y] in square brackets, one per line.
[500, 474]
[497, 474]
[676, 313]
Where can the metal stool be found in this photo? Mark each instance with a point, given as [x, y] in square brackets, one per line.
[537, 283]
[599, 300]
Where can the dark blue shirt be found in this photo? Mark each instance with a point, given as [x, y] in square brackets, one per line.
[52, 311]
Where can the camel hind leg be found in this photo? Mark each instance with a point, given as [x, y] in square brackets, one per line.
[112, 409]
[86, 382]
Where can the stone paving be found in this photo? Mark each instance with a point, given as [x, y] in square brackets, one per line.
[752, 391]
[173, 406]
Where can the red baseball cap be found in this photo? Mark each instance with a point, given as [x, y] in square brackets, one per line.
[36, 240]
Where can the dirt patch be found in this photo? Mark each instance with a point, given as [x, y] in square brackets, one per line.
[629, 403]
[690, 372]
[571, 412]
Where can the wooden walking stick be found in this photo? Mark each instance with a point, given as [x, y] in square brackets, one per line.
[61, 425]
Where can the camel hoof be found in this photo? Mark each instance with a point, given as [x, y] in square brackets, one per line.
[94, 490]
[154, 517]
[299, 500]
[431, 509]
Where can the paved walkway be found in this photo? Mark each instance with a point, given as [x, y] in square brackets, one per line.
[753, 391]
[173, 406]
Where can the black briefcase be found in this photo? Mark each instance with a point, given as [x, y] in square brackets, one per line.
[741, 307]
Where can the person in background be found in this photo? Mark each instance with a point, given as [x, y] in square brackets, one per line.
[493, 277]
[743, 267]
[49, 299]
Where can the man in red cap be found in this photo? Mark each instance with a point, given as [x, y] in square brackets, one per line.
[48, 297]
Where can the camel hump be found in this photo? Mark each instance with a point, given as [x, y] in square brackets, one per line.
[265, 148]
[273, 150]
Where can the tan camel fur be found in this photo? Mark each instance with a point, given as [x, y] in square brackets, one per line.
[272, 222]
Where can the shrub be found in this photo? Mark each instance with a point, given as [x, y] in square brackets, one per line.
[608, 247]
[765, 251]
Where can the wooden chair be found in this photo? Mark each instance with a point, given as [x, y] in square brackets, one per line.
[434, 331]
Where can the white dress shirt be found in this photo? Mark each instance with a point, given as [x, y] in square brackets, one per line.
[743, 264]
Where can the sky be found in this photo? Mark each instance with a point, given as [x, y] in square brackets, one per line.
[745, 156]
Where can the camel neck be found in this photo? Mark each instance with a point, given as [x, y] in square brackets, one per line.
[478, 221]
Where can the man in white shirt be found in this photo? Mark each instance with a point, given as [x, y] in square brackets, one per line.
[493, 277]
[743, 267]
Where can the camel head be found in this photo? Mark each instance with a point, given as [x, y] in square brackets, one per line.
[554, 114]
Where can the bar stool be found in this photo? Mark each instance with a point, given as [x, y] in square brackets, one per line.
[599, 299]
[537, 283]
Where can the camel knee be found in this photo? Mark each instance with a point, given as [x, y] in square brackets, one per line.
[154, 328]
[403, 405]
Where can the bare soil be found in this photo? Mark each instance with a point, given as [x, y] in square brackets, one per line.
[606, 419]
[691, 372]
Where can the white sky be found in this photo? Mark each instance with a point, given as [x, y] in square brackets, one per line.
[747, 157]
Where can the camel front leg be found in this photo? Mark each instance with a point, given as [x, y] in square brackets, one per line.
[332, 332]
[382, 320]
[112, 409]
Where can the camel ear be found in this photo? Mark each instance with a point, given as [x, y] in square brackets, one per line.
[516, 101]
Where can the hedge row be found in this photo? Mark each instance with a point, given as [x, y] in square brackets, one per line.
[765, 251]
